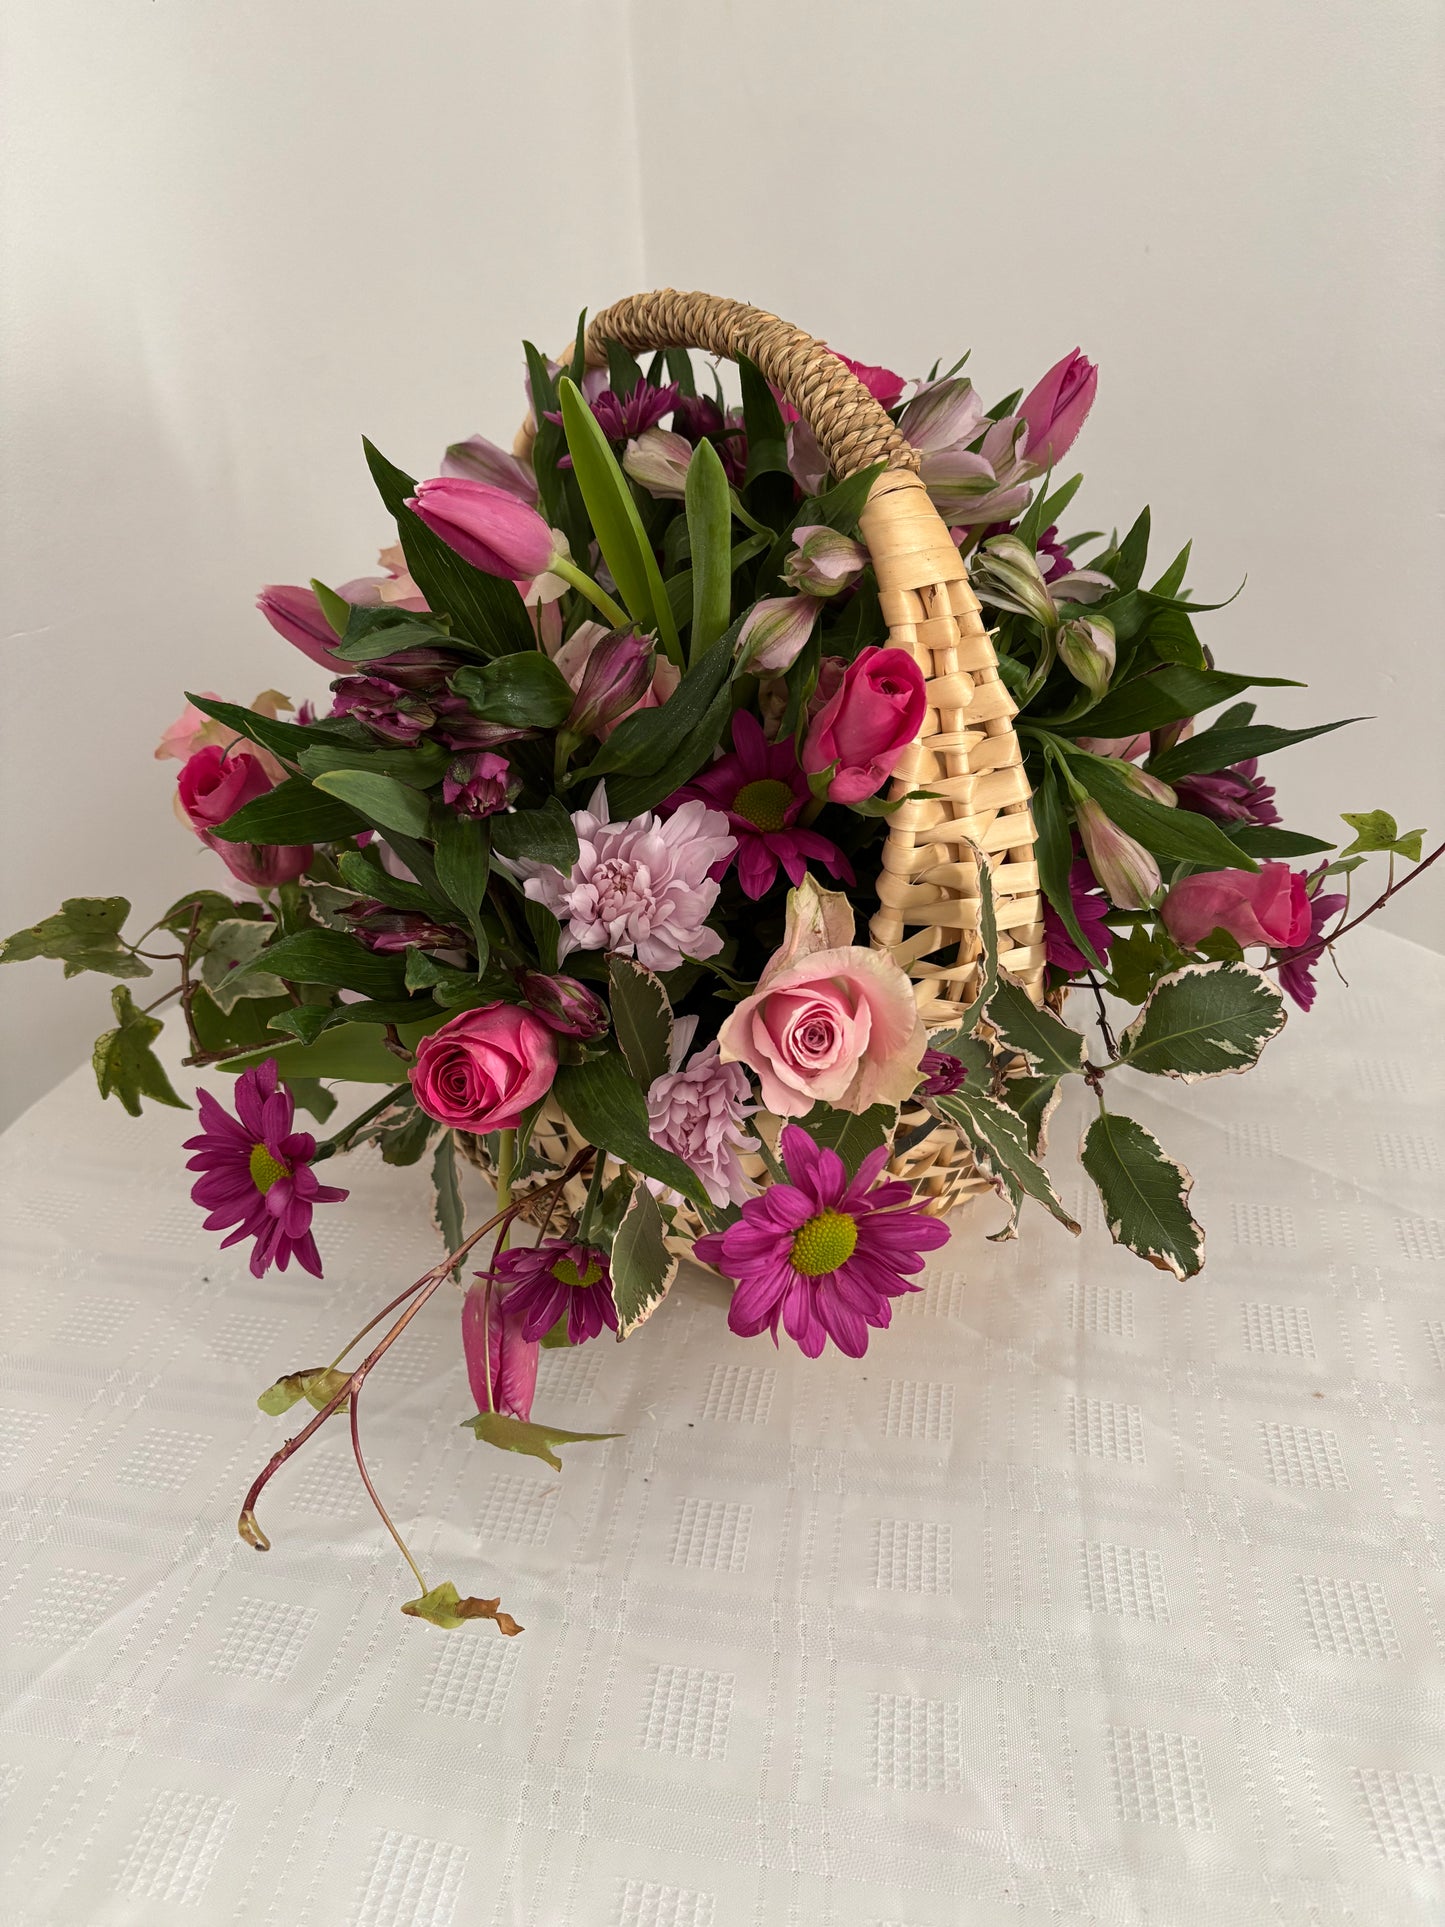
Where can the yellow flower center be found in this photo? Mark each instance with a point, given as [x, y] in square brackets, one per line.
[565, 1272]
[764, 803]
[265, 1169]
[824, 1243]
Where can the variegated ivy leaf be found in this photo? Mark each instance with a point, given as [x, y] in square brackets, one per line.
[1378, 830]
[999, 1139]
[84, 934]
[234, 944]
[317, 1387]
[529, 1436]
[1145, 1194]
[443, 1606]
[1202, 1021]
[641, 1018]
[642, 1266]
[852, 1134]
[1050, 1047]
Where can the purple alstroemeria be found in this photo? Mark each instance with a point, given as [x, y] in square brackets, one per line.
[1236, 795]
[389, 931]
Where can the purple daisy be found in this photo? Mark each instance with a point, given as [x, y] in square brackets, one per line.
[540, 1282]
[1091, 907]
[762, 790]
[622, 418]
[256, 1173]
[824, 1255]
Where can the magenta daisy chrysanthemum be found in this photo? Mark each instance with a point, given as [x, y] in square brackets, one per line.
[823, 1255]
[256, 1173]
[762, 789]
[541, 1282]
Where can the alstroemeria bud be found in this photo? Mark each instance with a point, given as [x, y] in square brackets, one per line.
[1170, 734]
[391, 932]
[1006, 574]
[947, 415]
[1128, 875]
[295, 613]
[659, 460]
[774, 631]
[1055, 409]
[478, 460]
[1143, 784]
[1088, 651]
[480, 784]
[487, 526]
[564, 1005]
[824, 562]
[617, 677]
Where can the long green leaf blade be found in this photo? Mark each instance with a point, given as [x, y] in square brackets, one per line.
[709, 531]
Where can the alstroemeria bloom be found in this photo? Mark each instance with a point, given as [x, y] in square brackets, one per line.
[1270, 905]
[823, 562]
[946, 414]
[478, 460]
[659, 460]
[1127, 872]
[830, 1022]
[574, 658]
[986, 484]
[774, 631]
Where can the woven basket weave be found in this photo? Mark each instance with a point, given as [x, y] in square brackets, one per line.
[966, 752]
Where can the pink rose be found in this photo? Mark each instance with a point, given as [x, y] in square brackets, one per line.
[830, 1022]
[875, 715]
[213, 785]
[1270, 906]
[263, 865]
[486, 1067]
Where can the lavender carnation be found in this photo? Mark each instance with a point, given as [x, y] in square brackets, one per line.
[640, 888]
[697, 1114]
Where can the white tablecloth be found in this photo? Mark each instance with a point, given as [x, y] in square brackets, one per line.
[1086, 1596]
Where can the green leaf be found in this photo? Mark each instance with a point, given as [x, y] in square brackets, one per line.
[1266, 841]
[380, 799]
[1000, 1142]
[84, 934]
[852, 1134]
[709, 530]
[523, 691]
[1172, 580]
[293, 813]
[245, 1026]
[536, 1440]
[544, 835]
[443, 1607]
[607, 1107]
[328, 957]
[763, 420]
[988, 938]
[306, 1021]
[125, 1065]
[282, 739]
[1378, 830]
[642, 1266]
[317, 1387]
[1168, 832]
[611, 1209]
[1127, 568]
[1171, 636]
[448, 1211]
[353, 1053]
[1054, 853]
[419, 767]
[463, 853]
[235, 944]
[1220, 748]
[1204, 1020]
[1137, 962]
[1145, 1194]
[679, 369]
[336, 609]
[312, 1096]
[370, 880]
[485, 610]
[641, 1018]
[1052, 1048]
[1044, 510]
[1035, 1099]
[615, 521]
[210, 908]
[1167, 696]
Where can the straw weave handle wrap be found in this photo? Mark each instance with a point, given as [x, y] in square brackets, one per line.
[967, 753]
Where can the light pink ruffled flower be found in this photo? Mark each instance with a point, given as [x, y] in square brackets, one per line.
[698, 1113]
[640, 888]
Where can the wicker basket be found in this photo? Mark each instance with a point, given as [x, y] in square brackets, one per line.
[966, 752]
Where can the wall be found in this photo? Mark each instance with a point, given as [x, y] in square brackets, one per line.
[237, 238]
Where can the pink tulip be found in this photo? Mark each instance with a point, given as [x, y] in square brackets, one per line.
[1270, 905]
[488, 527]
[1055, 409]
[875, 715]
[295, 613]
[501, 1364]
[478, 460]
[485, 1068]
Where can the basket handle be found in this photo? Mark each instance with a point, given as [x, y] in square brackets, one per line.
[853, 430]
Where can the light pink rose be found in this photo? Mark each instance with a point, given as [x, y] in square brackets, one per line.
[1270, 905]
[830, 1022]
[486, 1067]
[877, 712]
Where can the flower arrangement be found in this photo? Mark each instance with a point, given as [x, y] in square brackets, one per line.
[582, 838]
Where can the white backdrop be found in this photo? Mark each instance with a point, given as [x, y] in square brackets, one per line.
[237, 238]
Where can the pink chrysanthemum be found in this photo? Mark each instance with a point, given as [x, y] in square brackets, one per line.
[256, 1173]
[698, 1114]
[762, 789]
[541, 1282]
[823, 1255]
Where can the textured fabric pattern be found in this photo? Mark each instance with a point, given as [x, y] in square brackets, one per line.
[1086, 1596]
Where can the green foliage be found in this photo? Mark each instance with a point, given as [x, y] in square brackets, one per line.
[762, 418]
[654, 751]
[1137, 962]
[1178, 834]
[84, 934]
[125, 1065]
[233, 945]
[1054, 854]
[293, 813]
[462, 851]
[1378, 830]
[1050, 1047]
[1166, 695]
[606, 1105]
[1000, 1142]
[1204, 1020]
[206, 908]
[447, 1208]
[1221, 747]
[521, 691]
[535, 1440]
[443, 1607]
[852, 1134]
[421, 766]
[544, 835]
[1268, 842]
[1035, 1100]
[379, 799]
[370, 880]
[642, 1266]
[641, 1018]
[354, 1053]
[286, 740]
[329, 957]
[1145, 1194]
[709, 529]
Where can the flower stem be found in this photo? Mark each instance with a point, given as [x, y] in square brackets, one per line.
[579, 579]
[374, 1496]
[343, 1139]
[1384, 897]
[506, 1164]
[749, 522]
[594, 1192]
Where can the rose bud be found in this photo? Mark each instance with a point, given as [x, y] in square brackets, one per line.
[265, 866]
[617, 675]
[1055, 409]
[876, 714]
[487, 526]
[774, 631]
[1088, 651]
[824, 563]
[213, 785]
[1270, 905]
[1127, 873]
[659, 460]
[485, 1068]
[948, 414]
[478, 460]
[480, 784]
[295, 613]
[564, 1005]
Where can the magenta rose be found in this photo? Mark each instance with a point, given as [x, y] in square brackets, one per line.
[830, 1022]
[213, 784]
[865, 727]
[486, 1067]
[1270, 905]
